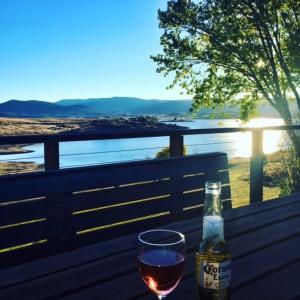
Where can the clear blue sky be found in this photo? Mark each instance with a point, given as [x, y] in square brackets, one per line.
[55, 49]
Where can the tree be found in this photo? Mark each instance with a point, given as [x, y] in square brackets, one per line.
[234, 52]
[165, 152]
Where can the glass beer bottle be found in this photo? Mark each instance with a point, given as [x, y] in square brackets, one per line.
[213, 270]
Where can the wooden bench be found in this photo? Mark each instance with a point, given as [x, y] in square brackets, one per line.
[47, 213]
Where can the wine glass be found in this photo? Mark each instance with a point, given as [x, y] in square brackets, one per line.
[161, 259]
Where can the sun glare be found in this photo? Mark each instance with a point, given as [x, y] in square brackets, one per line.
[272, 138]
[260, 63]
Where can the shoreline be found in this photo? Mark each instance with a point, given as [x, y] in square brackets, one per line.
[238, 166]
[49, 126]
[15, 150]
[9, 167]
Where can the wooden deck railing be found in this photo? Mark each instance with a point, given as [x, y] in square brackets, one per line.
[45, 213]
[176, 144]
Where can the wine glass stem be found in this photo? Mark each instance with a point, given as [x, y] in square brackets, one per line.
[162, 297]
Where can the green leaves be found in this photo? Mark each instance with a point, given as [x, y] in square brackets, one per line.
[232, 52]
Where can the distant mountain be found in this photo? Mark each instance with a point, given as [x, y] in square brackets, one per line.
[35, 108]
[130, 106]
[115, 106]
[136, 106]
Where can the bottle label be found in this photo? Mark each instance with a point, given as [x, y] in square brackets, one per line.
[215, 275]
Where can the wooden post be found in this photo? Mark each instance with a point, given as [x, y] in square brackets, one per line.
[176, 145]
[256, 166]
[60, 217]
[51, 155]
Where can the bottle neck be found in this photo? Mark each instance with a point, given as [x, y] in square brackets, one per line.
[213, 229]
[213, 223]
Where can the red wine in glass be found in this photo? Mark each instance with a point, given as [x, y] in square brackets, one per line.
[161, 270]
[161, 260]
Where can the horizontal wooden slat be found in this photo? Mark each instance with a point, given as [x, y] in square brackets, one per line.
[30, 232]
[282, 284]
[18, 235]
[15, 187]
[266, 262]
[191, 227]
[100, 235]
[22, 211]
[138, 210]
[123, 206]
[260, 261]
[25, 233]
[137, 289]
[39, 251]
[130, 193]
[173, 203]
[21, 234]
[94, 283]
[117, 214]
[36, 209]
[31, 269]
[150, 223]
[118, 195]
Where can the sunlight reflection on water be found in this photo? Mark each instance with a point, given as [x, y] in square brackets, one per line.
[271, 139]
[95, 152]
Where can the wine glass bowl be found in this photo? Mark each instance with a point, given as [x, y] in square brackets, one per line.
[161, 260]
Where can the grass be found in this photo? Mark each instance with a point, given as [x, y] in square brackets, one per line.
[239, 180]
[18, 167]
[239, 172]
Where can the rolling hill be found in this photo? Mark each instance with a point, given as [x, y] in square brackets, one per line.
[110, 107]
[130, 106]
[137, 106]
[35, 108]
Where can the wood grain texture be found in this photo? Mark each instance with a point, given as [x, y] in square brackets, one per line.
[82, 206]
[252, 233]
[84, 255]
[15, 187]
[256, 240]
[51, 155]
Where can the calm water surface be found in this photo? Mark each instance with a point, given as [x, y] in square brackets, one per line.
[95, 152]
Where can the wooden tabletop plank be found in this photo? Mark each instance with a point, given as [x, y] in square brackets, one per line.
[107, 289]
[79, 257]
[83, 255]
[259, 265]
[91, 275]
[282, 284]
[54, 264]
[254, 276]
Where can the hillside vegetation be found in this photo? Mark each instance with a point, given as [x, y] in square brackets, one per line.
[116, 106]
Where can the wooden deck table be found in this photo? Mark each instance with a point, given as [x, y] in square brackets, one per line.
[264, 239]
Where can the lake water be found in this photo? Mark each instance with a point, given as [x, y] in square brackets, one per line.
[107, 151]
